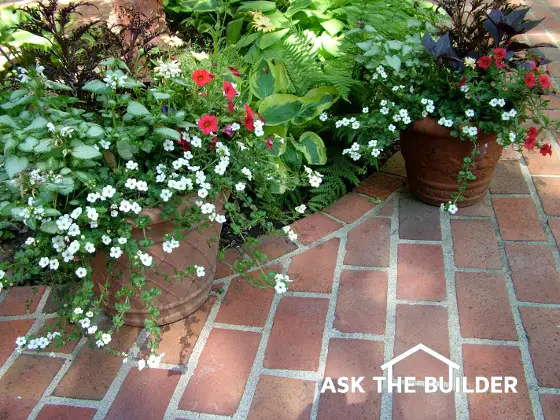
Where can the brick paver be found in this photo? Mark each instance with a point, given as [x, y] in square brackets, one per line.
[371, 280]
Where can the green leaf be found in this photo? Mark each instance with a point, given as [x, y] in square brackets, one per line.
[365, 46]
[126, 150]
[14, 165]
[160, 96]
[51, 213]
[28, 144]
[44, 146]
[233, 30]
[333, 26]
[7, 121]
[98, 87]
[247, 40]
[266, 40]
[261, 80]
[37, 124]
[314, 102]
[58, 86]
[137, 109]
[263, 6]
[84, 151]
[168, 133]
[95, 131]
[393, 61]
[281, 78]
[280, 108]
[49, 227]
[312, 148]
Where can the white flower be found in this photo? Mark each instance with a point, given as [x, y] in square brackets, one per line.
[50, 127]
[220, 218]
[89, 247]
[391, 127]
[78, 311]
[154, 361]
[493, 102]
[116, 252]
[301, 209]
[81, 272]
[30, 241]
[202, 193]
[125, 206]
[74, 230]
[512, 136]
[99, 343]
[452, 209]
[146, 259]
[106, 239]
[375, 152]
[92, 329]
[89, 314]
[76, 213]
[54, 264]
[106, 338]
[323, 116]
[85, 323]
[105, 144]
[470, 62]
[464, 88]
[93, 197]
[469, 113]
[501, 102]
[168, 146]
[43, 262]
[21, 341]
[355, 125]
[141, 364]
[247, 173]
[131, 165]
[235, 127]
[200, 272]
[64, 222]
[207, 208]
[108, 191]
[43, 342]
[365, 109]
[2, 274]
[66, 131]
[122, 240]
[165, 195]
[240, 186]
[130, 183]
[280, 287]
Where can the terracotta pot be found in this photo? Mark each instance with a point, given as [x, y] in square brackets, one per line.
[433, 160]
[180, 296]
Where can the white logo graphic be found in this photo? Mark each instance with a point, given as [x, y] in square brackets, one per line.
[409, 384]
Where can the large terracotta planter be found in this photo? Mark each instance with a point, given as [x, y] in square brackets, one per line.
[433, 160]
[180, 296]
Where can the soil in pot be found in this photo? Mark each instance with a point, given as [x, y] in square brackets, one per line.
[433, 159]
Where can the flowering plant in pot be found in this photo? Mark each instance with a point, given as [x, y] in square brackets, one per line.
[455, 102]
[124, 202]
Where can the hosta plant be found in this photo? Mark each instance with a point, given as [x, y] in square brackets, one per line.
[80, 181]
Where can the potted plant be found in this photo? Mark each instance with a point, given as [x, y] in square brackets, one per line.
[125, 196]
[453, 103]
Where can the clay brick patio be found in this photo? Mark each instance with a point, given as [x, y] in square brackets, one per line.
[371, 281]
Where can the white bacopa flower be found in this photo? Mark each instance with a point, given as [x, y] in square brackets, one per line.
[141, 364]
[108, 191]
[76, 213]
[452, 209]
[21, 341]
[50, 127]
[105, 144]
[54, 264]
[196, 141]
[122, 240]
[469, 113]
[116, 252]
[89, 314]
[365, 110]
[130, 183]
[85, 322]
[493, 102]
[131, 165]
[280, 287]
[74, 230]
[136, 208]
[375, 152]
[323, 116]
[301, 209]
[512, 136]
[146, 259]
[78, 311]
[106, 338]
[464, 88]
[43, 262]
[106, 239]
[220, 218]
[64, 222]
[247, 172]
[200, 272]
[93, 197]
[165, 195]
[125, 206]
[81, 272]
[154, 361]
[30, 241]
[355, 125]
[168, 146]
[207, 208]
[99, 343]
[240, 186]
[501, 102]
[202, 193]
[92, 329]
[391, 128]
[89, 247]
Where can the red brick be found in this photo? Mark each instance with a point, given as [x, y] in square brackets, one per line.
[313, 270]
[518, 219]
[551, 406]
[222, 267]
[245, 304]
[541, 326]
[424, 324]
[297, 334]
[508, 179]
[10, 331]
[554, 225]
[474, 244]
[387, 210]
[534, 274]
[418, 220]
[94, 369]
[350, 207]
[21, 300]
[144, 395]
[24, 383]
[65, 412]
[484, 310]
[221, 375]
[361, 302]
[482, 208]
[314, 227]
[178, 339]
[274, 246]
[487, 361]
[549, 193]
[422, 406]
[420, 273]
[542, 165]
[380, 185]
[368, 243]
[352, 358]
[282, 399]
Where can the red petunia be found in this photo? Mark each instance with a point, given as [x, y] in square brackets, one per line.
[544, 81]
[499, 53]
[202, 77]
[484, 62]
[185, 145]
[234, 71]
[532, 132]
[213, 143]
[546, 149]
[530, 142]
[529, 80]
[500, 63]
[208, 124]
[462, 82]
[249, 119]
[229, 90]
[269, 143]
[230, 106]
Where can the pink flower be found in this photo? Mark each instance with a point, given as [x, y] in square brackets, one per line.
[202, 77]
[544, 81]
[208, 124]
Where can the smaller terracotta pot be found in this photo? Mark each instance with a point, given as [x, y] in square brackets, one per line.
[433, 159]
[180, 296]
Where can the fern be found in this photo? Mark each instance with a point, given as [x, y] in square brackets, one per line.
[339, 175]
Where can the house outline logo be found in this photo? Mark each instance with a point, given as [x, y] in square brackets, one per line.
[389, 365]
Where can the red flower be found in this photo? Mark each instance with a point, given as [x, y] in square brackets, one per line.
[499, 53]
[213, 143]
[202, 77]
[484, 62]
[229, 90]
[208, 124]
[544, 81]
[249, 119]
[532, 132]
[269, 143]
[500, 63]
[234, 71]
[230, 106]
[462, 82]
[546, 149]
[185, 145]
[530, 142]
[534, 68]
[529, 80]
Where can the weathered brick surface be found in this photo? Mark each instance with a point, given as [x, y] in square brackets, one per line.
[368, 243]
[21, 300]
[474, 244]
[312, 228]
[418, 220]
[420, 274]
[518, 219]
[313, 270]
[350, 207]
